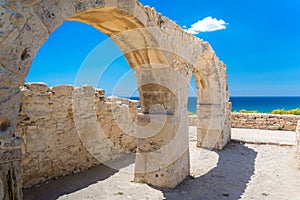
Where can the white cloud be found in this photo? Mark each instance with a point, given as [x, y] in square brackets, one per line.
[207, 24]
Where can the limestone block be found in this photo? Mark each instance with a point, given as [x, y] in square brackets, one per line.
[9, 112]
[10, 170]
[139, 13]
[265, 121]
[37, 87]
[84, 5]
[209, 138]
[62, 90]
[166, 177]
[154, 18]
[53, 12]
[11, 20]
[163, 152]
[124, 5]
[22, 39]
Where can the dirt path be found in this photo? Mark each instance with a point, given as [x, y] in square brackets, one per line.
[240, 171]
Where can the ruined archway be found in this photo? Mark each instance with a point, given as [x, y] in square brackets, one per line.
[160, 52]
[213, 107]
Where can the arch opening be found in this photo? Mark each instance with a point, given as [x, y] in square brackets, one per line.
[56, 118]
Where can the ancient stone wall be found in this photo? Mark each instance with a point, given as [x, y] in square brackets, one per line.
[264, 121]
[54, 143]
[258, 121]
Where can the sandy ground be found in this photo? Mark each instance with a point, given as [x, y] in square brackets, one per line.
[240, 171]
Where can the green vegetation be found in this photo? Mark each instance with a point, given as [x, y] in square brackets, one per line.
[264, 194]
[295, 111]
[191, 113]
[248, 111]
[119, 193]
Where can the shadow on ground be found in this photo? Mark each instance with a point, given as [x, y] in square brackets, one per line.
[228, 180]
[53, 189]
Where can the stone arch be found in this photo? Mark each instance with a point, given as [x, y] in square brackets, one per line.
[213, 107]
[160, 52]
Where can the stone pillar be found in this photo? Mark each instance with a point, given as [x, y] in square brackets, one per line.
[162, 158]
[10, 173]
[10, 146]
[213, 130]
[10, 149]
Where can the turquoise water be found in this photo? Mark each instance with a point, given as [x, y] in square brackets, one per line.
[261, 104]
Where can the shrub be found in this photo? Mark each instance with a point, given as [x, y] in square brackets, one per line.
[295, 111]
[191, 113]
[248, 111]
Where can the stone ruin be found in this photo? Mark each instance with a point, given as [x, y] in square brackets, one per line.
[54, 142]
[163, 56]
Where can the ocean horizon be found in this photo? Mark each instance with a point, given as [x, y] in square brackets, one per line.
[264, 104]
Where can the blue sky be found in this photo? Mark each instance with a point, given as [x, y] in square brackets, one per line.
[259, 43]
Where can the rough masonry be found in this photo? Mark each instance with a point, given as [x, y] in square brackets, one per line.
[264, 121]
[53, 146]
[164, 58]
[258, 121]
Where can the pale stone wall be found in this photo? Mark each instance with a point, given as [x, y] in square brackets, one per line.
[258, 121]
[53, 145]
[264, 121]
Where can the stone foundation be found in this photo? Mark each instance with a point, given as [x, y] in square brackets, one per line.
[60, 139]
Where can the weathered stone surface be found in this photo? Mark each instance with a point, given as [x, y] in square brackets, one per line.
[53, 12]
[265, 121]
[10, 170]
[162, 157]
[21, 37]
[11, 97]
[258, 121]
[83, 5]
[56, 144]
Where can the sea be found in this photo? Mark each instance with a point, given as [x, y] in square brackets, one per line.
[261, 104]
